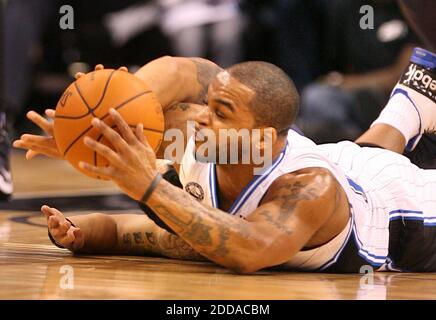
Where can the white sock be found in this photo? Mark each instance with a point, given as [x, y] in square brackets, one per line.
[401, 114]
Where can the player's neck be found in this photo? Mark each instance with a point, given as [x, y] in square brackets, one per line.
[232, 178]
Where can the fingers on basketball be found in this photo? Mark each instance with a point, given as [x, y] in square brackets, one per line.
[78, 75]
[41, 122]
[50, 113]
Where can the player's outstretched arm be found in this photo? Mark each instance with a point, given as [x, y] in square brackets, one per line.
[125, 234]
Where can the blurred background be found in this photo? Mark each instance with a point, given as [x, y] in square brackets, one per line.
[344, 73]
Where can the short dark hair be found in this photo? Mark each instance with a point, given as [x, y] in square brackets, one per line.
[276, 102]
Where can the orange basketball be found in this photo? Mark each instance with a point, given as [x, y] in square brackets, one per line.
[93, 95]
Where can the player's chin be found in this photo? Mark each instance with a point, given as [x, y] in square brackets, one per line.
[204, 154]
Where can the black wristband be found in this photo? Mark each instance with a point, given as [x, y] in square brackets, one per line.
[172, 177]
[53, 240]
[151, 188]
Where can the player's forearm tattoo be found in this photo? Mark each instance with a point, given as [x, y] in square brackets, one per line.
[206, 72]
[151, 238]
[210, 237]
[213, 234]
[200, 232]
[137, 236]
[224, 236]
[170, 245]
[127, 239]
[167, 244]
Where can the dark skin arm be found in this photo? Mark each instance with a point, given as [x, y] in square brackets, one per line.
[287, 221]
[127, 234]
[180, 85]
[299, 205]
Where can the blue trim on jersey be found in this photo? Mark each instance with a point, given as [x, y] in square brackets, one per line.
[405, 211]
[212, 186]
[411, 142]
[255, 182]
[406, 218]
[249, 188]
[424, 58]
[362, 251]
[413, 216]
[366, 255]
[357, 188]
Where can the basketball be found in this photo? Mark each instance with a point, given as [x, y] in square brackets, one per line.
[92, 95]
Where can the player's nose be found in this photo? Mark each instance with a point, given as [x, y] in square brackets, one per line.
[202, 118]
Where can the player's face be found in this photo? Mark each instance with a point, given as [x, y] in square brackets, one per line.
[228, 111]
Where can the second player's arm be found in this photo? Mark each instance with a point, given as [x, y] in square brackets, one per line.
[176, 79]
[180, 85]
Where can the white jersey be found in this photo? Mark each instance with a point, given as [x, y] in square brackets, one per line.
[380, 186]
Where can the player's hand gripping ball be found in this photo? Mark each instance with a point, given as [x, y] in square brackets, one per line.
[91, 96]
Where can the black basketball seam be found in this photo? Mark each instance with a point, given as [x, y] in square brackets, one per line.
[83, 99]
[82, 116]
[104, 90]
[90, 110]
[104, 117]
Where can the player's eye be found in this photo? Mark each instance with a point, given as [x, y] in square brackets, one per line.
[219, 114]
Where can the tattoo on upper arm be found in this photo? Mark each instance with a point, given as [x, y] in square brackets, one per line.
[181, 105]
[290, 196]
[206, 72]
[275, 222]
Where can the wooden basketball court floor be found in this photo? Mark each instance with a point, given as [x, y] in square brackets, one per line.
[32, 268]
